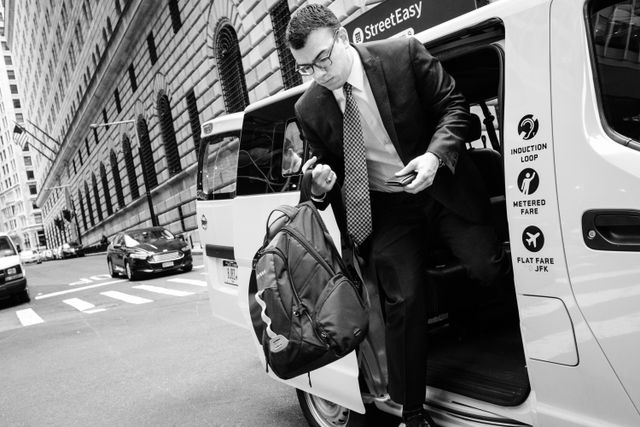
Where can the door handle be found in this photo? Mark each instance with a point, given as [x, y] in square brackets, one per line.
[611, 229]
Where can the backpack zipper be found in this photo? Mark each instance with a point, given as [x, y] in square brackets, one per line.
[310, 249]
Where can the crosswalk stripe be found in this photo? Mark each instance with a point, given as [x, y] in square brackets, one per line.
[165, 291]
[131, 299]
[78, 304]
[190, 282]
[82, 305]
[28, 317]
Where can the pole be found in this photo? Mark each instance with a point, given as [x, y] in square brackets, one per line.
[154, 219]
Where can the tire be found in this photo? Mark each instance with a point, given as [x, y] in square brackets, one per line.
[131, 275]
[112, 272]
[187, 268]
[322, 413]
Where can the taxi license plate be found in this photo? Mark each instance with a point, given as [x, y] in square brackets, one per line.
[230, 272]
[167, 264]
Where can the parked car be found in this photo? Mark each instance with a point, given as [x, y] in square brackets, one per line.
[71, 250]
[28, 256]
[147, 250]
[13, 280]
[47, 254]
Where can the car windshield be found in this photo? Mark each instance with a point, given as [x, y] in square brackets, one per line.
[6, 248]
[134, 238]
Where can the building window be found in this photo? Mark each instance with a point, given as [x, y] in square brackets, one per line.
[117, 183]
[151, 44]
[234, 86]
[146, 155]
[33, 189]
[89, 210]
[30, 175]
[118, 8]
[96, 196]
[14, 89]
[75, 170]
[280, 16]
[194, 119]
[109, 26]
[16, 103]
[116, 95]
[132, 78]
[7, 60]
[174, 10]
[86, 10]
[79, 37]
[81, 205]
[168, 134]
[131, 170]
[80, 155]
[27, 161]
[11, 74]
[105, 189]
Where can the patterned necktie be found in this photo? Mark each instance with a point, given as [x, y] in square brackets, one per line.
[356, 180]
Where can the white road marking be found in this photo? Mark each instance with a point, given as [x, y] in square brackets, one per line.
[28, 317]
[82, 305]
[195, 267]
[165, 291]
[97, 285]
[190, 282]
[131, 299]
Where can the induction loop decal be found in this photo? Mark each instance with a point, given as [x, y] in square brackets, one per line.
[528, 181]
[532, 238]
[528, 127]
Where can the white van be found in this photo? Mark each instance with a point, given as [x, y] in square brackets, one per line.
[13, 280]
[556, 85]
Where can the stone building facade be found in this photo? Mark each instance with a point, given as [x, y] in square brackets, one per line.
[160, 67]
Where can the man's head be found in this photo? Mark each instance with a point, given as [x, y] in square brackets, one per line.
[320, 45]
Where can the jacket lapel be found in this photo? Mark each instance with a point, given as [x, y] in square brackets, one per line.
[375, 74]
[330, 114]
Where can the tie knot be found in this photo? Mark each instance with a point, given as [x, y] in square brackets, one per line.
[348, 89]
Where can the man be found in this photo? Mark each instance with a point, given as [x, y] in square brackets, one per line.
[381, 110]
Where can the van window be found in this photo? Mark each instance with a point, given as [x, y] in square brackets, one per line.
[261, 160]
[615, 39]
[6, 247]
[220, 161]
[292, 150]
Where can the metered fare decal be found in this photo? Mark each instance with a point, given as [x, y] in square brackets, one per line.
[528, 182]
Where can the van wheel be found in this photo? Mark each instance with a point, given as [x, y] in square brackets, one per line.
[112, 272]
[322, 413]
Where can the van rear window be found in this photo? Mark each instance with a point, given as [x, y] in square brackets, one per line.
[615, 39]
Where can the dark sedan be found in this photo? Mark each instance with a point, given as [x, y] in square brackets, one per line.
[147, 250]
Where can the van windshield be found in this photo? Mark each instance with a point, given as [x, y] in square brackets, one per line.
[6, 247]
[615, 38]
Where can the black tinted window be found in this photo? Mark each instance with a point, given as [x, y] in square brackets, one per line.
[260, 159]
[615, 38]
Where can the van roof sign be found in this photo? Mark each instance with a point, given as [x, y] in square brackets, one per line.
[404, 18]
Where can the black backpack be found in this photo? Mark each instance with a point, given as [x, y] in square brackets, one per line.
[307, 305]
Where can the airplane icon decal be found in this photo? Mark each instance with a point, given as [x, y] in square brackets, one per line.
[533, 238]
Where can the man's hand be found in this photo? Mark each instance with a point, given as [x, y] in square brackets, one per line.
[323, 178]
[426, 167]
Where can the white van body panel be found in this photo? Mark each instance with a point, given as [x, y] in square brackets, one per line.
[10, 261]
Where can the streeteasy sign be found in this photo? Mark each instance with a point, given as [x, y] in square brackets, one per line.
[394, 18]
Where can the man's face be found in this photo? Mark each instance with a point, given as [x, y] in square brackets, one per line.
[320, 43]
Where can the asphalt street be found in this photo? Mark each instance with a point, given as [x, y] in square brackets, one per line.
[90, 350]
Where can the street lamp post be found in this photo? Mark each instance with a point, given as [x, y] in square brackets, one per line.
[154, 219]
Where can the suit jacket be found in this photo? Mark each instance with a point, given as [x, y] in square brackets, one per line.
[421, 111]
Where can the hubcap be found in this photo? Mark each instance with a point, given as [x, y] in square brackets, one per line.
[326, 413]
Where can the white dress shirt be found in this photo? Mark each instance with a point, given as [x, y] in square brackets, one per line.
[382, 158]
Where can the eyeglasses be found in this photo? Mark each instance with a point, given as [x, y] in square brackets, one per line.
[320, 63]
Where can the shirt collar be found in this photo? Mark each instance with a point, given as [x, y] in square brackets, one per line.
[356, 76]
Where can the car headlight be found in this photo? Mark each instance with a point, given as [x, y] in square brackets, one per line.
[139, 255]
[12, 274]
[185, 248]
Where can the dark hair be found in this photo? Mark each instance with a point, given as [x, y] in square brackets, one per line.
[307, 19]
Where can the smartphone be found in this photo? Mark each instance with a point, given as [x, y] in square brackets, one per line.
[402, 180]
